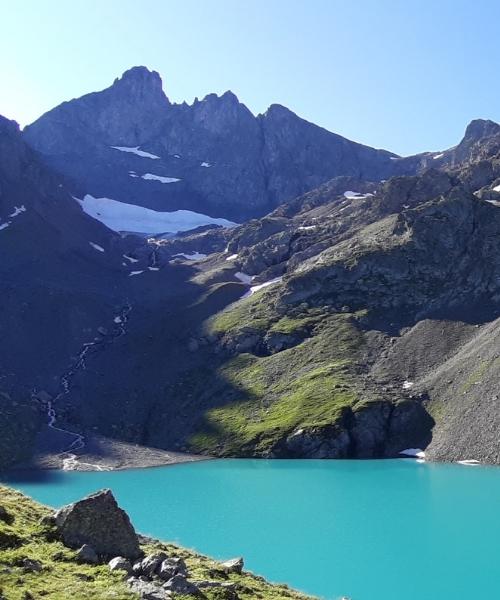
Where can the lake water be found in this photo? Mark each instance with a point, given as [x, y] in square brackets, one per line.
[370, 530]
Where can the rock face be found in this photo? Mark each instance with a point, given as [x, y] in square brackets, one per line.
[98, 521]
[229, 162]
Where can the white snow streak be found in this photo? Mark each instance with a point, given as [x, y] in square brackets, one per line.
[132, 273]
[160, 178]
[97, 247]
[260, 286]
[438, 155]
[413, 452]
[18, 210]
[355, 195]
[243, 277]
[232, 257]
[135, 150]
[193, 256]
[205, 164]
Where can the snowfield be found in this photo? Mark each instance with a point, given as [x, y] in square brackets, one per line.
[193, 256]
[160, 178]
[120, 216]
[135, 150]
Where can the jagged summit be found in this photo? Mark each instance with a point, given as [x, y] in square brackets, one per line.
[140, 82]
[479, 129]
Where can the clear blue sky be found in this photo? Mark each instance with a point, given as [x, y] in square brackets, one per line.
[406, 75]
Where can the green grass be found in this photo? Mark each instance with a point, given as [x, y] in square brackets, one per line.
[253, 312]
[477, 375]
[271, 396]
[62, 578]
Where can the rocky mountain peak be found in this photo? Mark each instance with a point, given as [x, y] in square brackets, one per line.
[278, 111]
[140, 82]
[479, 129]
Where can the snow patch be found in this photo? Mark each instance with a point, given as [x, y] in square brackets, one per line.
[153, 268]
[96, 247]
[160, 178]
[407, 384]
[132, 273]
[4, 225]
[18, 210]
[243, 277]
[413, 452]
[117, 320]
[205, 164]
[260, 286]
[496, 188]
[120, 216]
[135, 150]
[307, 227]
[469, 463]
[438, 155]
[355, 195]
[132, 260]
[232, 257]
[193, 256]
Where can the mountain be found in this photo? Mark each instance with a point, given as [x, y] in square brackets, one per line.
[131, 144]
[355, 316]
[70, 289]
[370, 326]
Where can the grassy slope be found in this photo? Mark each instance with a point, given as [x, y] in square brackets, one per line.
[307, 385]
[62, 577]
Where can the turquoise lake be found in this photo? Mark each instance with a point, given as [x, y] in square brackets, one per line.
[370, 530]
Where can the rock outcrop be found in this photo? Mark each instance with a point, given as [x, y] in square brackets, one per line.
[99, 522]
[227, 161]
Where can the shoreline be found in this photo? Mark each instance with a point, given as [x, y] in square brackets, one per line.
[105, 454]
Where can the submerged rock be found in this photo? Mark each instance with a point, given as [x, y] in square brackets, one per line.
[98, 521]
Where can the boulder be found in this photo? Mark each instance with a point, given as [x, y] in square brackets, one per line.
[120, 563]
[146, 589]
[87, 554]
[180, 585]
[151, 564]
[235, 565]
[172, 566]
[98, 521]
[31, 565]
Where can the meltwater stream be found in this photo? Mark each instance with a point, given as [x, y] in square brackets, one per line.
[369, 530]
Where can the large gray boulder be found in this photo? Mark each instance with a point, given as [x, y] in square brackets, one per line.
[98, 521]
